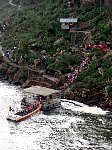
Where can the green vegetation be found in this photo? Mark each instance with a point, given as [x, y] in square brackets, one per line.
[110, 91]
[1, 57]
[99, 20]
[92, 79]
[23, 72]
[63, 62]
[34, 27]
[3, 69]
[5, 10]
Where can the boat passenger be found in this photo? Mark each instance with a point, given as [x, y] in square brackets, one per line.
[40, 100]
[50, 96]
[10, 109]
[34, 106]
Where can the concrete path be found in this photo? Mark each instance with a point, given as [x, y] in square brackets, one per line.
[12, 4]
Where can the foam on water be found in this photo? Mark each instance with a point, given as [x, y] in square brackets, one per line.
[76, 106]
[59, 129]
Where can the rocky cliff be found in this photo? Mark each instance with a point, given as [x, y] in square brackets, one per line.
[33, 32]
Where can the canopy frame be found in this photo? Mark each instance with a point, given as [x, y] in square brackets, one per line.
[38, 90]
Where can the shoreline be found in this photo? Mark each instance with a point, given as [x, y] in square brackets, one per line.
[87, 100]
[19, 73]
[12, 74]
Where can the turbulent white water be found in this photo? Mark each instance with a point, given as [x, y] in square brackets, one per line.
[68, 104]
[71, 127]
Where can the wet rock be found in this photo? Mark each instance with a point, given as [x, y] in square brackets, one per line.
[16, 77]
[69, 95]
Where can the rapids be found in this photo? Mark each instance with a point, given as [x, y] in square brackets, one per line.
[74, 126]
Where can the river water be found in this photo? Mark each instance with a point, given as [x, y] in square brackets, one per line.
[70, 127]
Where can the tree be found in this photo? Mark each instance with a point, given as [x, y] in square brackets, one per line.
[99, 2]
[32, 1]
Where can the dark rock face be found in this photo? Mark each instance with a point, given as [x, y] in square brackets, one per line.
[108, 2]
[91, 99]
[15, 76]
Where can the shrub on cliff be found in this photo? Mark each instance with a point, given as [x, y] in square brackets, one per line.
[110, 91]
[3, 69]
[63, 63]
[78, 86]
[99, 18]
[1, 57]
[23, 73]
[59, 65]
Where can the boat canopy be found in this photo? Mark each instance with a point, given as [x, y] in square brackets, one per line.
[40, 90]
